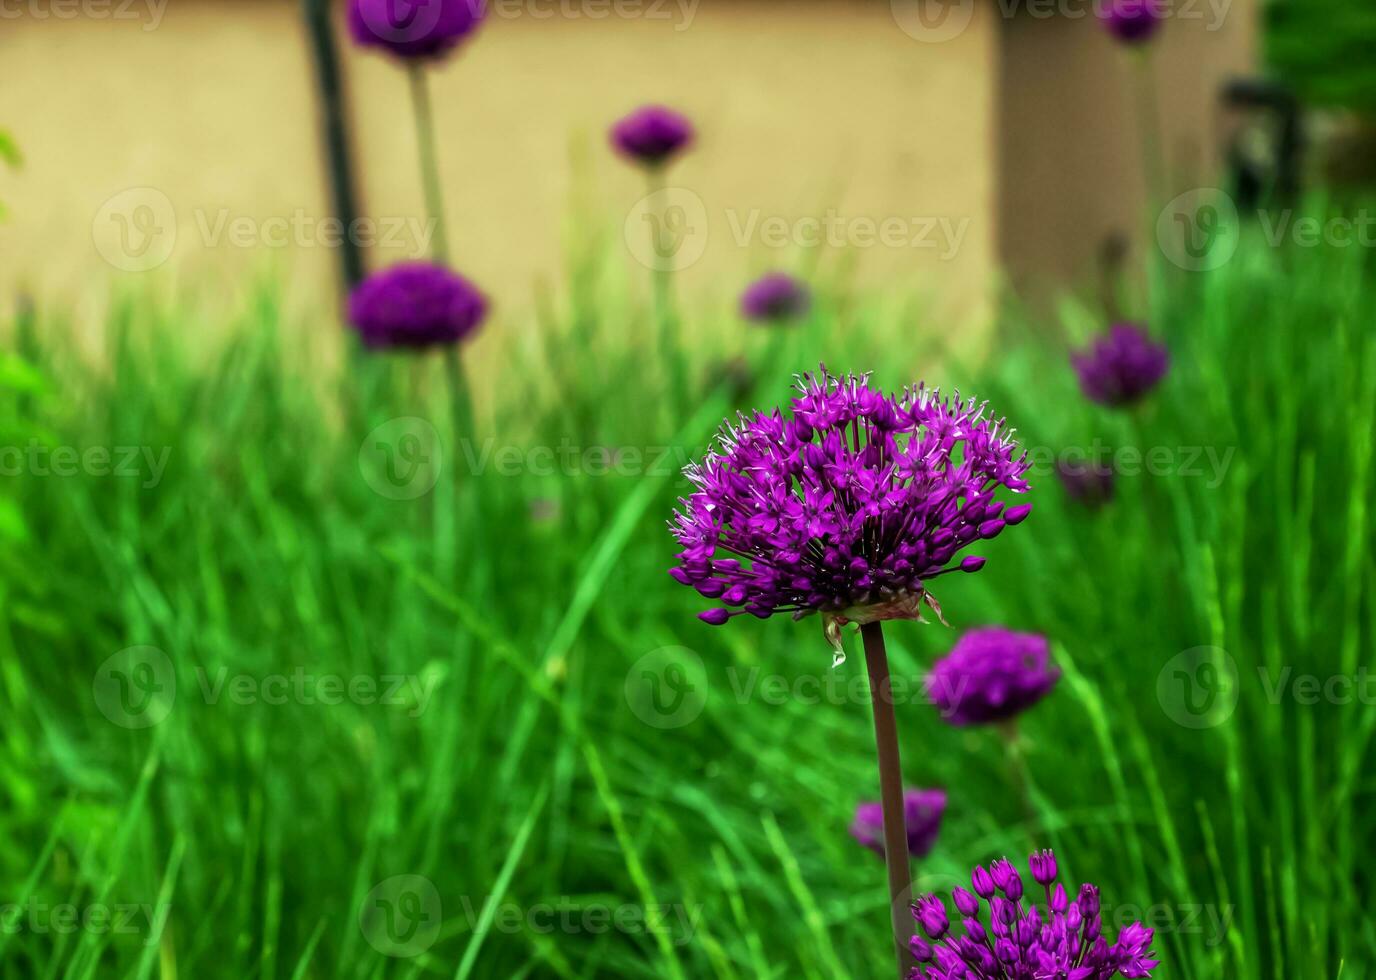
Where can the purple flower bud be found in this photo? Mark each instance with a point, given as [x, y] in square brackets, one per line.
[965, 901]
[423, 31]
[921, 949]
[775, 299]
[1122, 367]
[714, 617]
[1088, 900]
[416, 305]
[991, 674]
[1043, 867]
[931, 914]
[1059, 901]
[982, 882]
[652, 135]
[1133, 21]
[973, 563]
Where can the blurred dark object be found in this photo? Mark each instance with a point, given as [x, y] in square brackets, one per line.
[1266, 142]
[335, 133]
[1087, 482]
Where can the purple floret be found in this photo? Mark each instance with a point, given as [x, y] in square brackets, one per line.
[1121, 367]
[652, 135]
[775, 298]
[992, 674]
[423, 30]
[1037, 936]
[848, 508]
[1133, 21]
[922, 812]
[416, 305]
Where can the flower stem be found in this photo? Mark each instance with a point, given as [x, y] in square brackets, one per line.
[429, 158]
[661, 284]
[890, 793]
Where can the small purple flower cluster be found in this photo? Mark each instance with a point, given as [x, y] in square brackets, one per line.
[1021, 940]
[849, 508]
[416, 305]
[1122, 367]
[1133, 21]
[1087, 483]
[992, 675]
[922, 812]
[652, 135]
[424, 31]
[775, 299]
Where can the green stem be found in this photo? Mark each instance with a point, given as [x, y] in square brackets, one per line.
[661, 285]
[1153, 134]
[890, 794]
[429, 158]
[1017, 771]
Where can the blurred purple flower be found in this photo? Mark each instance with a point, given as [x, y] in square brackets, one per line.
[1054, 938]
[922, 812]
[1122, 366]
[991, 674]
[1088, 483]
[419, 29]
[652, 135]
[416, 304]
[775, 298]
[849, 508]
[1133, 21]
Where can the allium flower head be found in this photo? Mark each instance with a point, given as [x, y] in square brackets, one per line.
[992, 674]
[1133, 21]
[1024, 937]
[1121, 367]
[426, 30]
[775, 298]
[922, 812]
[416, 304]
[1087, 483]
[652, 135]
[849, 507]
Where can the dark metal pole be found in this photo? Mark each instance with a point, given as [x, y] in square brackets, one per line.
[334, 125]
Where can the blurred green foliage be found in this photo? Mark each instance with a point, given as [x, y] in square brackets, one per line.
[1323, 49]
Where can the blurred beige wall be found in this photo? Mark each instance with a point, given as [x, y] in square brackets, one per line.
[202, 121]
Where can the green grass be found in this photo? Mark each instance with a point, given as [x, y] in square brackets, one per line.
[521, 602]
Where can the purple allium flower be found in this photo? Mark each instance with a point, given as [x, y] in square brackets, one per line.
[1054, 939]
[1087, 483]
[416, 304]
[992, 674]
[1121, 367]
[848, 508]
[1133, 21]
[922, 812]
[424, 29]
[652, 135]
[775, 298]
